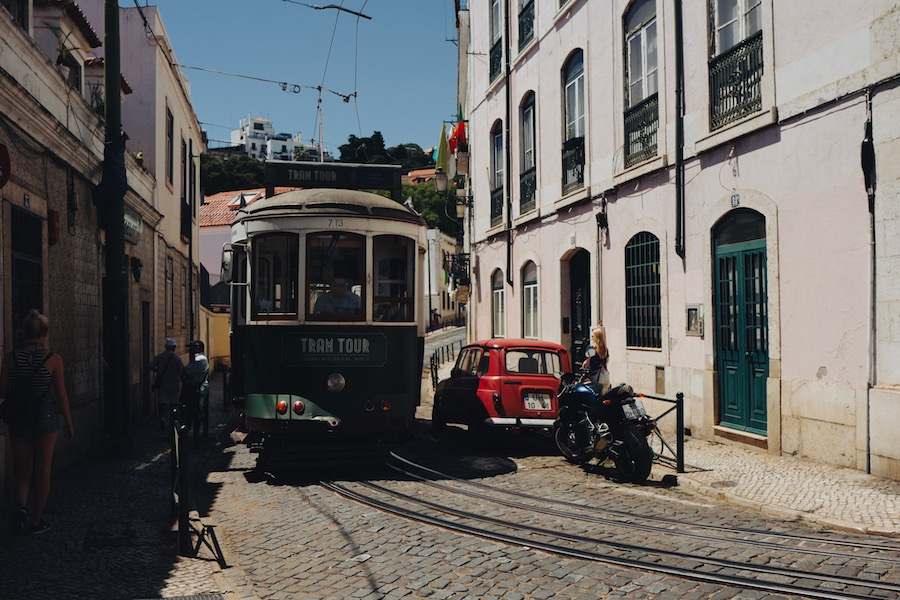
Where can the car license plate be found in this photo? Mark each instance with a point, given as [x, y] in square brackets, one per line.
[634, 410]
[537, 401]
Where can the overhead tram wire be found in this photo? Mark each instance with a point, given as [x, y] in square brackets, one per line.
[285, 86]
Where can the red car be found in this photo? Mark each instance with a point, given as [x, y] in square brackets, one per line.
[502, 383]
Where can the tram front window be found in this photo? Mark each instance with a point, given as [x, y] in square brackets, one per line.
[336, 269]
[275, 275]
[394, 283]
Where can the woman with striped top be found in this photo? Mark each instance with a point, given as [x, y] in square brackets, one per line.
[33, 444]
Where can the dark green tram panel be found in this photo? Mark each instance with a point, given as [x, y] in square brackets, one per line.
[379, 365]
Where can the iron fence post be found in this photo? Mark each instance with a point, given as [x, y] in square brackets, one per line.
[679, 434]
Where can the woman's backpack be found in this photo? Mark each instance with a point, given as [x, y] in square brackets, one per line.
[22, 403]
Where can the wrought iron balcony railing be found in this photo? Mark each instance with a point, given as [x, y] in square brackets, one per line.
[572, 164]
[641, 129]
[496, 59]
[526, 24]
[527, 185]
[735, 82]
[497, 205]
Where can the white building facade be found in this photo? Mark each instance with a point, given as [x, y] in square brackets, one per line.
[715, 182]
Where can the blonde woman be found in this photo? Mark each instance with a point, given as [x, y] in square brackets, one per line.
[597, 365]
[33, 443]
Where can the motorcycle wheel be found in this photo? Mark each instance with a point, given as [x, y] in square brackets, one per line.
[569, 448]
[634, 458]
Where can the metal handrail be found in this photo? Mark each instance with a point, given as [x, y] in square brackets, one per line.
[678, 452]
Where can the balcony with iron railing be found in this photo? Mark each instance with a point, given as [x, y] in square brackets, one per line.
[497, 205]
[526, 24]
[641, 130]
[496, 59]
[735, 82]
[527, 187]
[572, 164]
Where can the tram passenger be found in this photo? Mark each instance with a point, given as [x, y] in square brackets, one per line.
[339, 299]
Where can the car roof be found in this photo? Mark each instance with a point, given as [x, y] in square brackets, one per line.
[502, 343]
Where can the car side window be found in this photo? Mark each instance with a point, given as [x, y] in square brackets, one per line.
[532, 362]
[469, 361]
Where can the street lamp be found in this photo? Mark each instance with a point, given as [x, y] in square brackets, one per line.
[440, 180]
[463, 201]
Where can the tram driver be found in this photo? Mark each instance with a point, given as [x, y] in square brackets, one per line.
[339, 299]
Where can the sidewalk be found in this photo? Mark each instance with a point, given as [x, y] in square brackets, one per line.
[785, 486]
[113, 535]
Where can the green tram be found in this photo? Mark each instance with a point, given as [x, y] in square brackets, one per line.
[327, 321]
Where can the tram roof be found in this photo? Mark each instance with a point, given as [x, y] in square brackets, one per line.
[329, 201]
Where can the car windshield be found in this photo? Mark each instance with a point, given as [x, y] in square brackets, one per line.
[537, 362]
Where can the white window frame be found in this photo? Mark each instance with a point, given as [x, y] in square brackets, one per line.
[573, 94]
[498, 305]
[530, 313]
[528, 133]
[642, 56]
[746, 18]
[497, 160]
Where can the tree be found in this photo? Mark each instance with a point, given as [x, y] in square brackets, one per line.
[437, 208]
[238, 172]
[371, 150]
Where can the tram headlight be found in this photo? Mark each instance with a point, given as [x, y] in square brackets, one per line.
[335, 382]
[298, 407]
[281, 407]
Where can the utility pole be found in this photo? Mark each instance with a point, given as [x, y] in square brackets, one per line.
[113, 186]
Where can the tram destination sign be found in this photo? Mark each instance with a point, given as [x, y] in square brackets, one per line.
[344, 176]
[323, 348]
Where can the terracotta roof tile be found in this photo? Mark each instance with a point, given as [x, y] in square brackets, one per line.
[219, 209]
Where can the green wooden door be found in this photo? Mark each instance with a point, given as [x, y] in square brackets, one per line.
[742, 347]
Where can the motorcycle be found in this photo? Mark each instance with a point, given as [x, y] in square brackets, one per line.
[612, 425]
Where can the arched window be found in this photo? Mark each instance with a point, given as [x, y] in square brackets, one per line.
[498, 305]
[573, 123]
[528, 173]
[643, 321]
[530, 315]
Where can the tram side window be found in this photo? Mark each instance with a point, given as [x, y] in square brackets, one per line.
[335, 276]
[275, 273]
[394, 261]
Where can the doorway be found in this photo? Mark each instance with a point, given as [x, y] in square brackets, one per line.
[742, 327]
[580, 302]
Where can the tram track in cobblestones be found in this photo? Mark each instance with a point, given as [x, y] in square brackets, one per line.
[518, 523]
[435, 478]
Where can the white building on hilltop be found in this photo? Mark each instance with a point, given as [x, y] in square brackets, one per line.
[700, 177]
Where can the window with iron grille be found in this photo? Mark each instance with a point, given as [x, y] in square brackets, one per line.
[641, 71]
[498, 305]
[528, 175]
[529, 301]
[736, 60]
[643, 323]
[573, 111]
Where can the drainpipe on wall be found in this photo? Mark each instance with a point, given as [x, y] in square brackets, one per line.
[508, 153]
[679, 133]
[867, 160]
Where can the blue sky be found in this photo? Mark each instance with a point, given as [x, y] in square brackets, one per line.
[401, 64]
